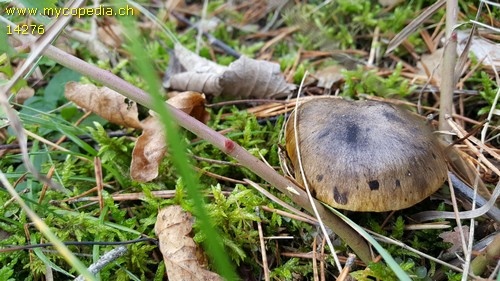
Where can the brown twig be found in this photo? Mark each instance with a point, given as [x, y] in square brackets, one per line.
[98, 181]
[262, 247]
[349, 263]
[219, 177]
[322, 261]
[314, 259]
[45, 185]
[166, 194]
[309, 220]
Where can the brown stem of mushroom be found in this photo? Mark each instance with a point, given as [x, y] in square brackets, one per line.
[349, 235]
[450, 55]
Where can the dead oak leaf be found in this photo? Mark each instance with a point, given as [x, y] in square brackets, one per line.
[104, 102]
[192, 103]
[150, 147]
[180, 252]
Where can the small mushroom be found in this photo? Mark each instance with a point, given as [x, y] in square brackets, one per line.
[365, 155]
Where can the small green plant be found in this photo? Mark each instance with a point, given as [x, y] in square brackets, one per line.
[362, 81]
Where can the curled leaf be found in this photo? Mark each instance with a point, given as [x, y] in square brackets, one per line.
[148, 152]
[183, 258]
[192, 103]
[189, 72]
[104, 102]
[150, 147]
[244, 78]
[249, 78]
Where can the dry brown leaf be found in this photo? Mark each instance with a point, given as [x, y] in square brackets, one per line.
[104, 102]
[328, 76]
[110, 34]
[150, 147]
[149, 150]
[430, 65]
[180, 252]
[23, 94]
[244, 78]
[249, 78]
[485, 50]
[454, 238]
[192, 103]
[190, 72]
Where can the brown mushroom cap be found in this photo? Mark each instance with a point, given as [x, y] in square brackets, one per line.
[365, 155]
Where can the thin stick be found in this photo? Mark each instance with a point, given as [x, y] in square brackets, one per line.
[457, 216]
[311, 221]
[406, 247]
[98, 181]
[315, 259]
[281, 202]
[105, 260]
[322, 261]
[348, 264]
[45, 185]
[262, 248]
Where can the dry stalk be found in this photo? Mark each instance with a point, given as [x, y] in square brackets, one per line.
[448, 71]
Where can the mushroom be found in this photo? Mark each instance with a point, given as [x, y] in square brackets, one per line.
[365, 155]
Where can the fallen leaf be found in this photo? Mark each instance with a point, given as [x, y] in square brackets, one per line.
[180, 253]
[455, 238]
[430, 65]
[481, 48]
[110, 33]
[149, 150]
[192, 103]
[244, 78]
[104, 102]
[249, 78]
[150, 147]
[328, 76]
[23, 94]
[190, 72]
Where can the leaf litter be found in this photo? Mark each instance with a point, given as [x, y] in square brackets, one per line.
[150, 147]
[244, 78]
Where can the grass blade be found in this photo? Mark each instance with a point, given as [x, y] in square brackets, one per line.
[383, 252]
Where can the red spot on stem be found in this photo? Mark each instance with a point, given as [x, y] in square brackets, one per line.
[454, 36]
[229, 145]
